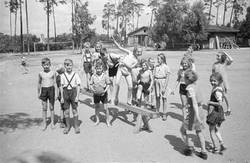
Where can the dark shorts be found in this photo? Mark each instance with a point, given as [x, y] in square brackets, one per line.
[48, 93]
[145, 87]
[101, 98]
[113, 71]
[69, 96]
[23, 63]
[87, 66]
[182, 89]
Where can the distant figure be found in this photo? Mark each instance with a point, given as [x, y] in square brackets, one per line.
[70, 88]
[215, 115]
[46, 91]
[161, 77]
[99, 84]
[194, 119]
[24, 65]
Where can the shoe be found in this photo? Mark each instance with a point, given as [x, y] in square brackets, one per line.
[164, 117]
[188, 151]
[202, 155]
[76, 125]
[66, 130]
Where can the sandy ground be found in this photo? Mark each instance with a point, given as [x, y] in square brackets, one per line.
[20, 118]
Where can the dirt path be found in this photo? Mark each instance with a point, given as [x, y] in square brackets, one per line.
[22, 139]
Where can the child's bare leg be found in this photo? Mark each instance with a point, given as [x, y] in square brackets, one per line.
[212, 133]
[76, 125]
[201, 139]
[107, 114]
[185, 137]
[111, 89]
[139, 93]
[67, 120]
[184, 103]
[218, 135]
[164, 108]
[62, 118]
[97, 114]
[116, 86]
[44, 115]
[52, 115]
[130, 87]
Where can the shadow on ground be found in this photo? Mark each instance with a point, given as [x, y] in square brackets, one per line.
[11, 122]
[40, 157]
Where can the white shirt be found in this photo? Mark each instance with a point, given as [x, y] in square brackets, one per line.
[74, 82]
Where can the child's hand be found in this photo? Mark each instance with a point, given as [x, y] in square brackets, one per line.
[172, 92]
[228, 112]
[62, 100]
[76, 99]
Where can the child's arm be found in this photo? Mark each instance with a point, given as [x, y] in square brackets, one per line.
[228, 112]
[39, 85]
[195, 107]
[61, 90]
[56, 89]
[108, 82]
[151, 80]
[176, 84]
[121, 48]
[229, 59]
[167, 78]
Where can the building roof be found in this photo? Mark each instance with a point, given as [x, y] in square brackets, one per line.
[220, 29]
[139, 31]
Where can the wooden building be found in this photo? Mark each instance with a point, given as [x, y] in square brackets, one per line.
[139, 37]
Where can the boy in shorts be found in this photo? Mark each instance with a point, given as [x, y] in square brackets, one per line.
[46, 91]
[99, 83]
[70, 88]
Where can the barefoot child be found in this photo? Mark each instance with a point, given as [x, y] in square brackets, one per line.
[215, 110]
[46, 91]
[145, 83]
[24, 65]
[194, 118]
[60, 71]
[86, 62]
[151, 65]
[161, 76]
[99, 85]
[186, 65]
[125, 69]
[70, 88]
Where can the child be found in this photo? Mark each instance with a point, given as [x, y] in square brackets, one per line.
[60, 71]
[70, 88]
[223, 60]
[215, 110]
[125, 67]
[151, 65]
[161, 76]
[145, 82]
[194, 118]
[46, 91]
[100, 84]
[24, 65]
[86, 62]
[186, 65]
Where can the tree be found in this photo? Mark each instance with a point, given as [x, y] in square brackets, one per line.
[83, 19]
[245, 26]
[169, 21]
[21, 26]
[138, 10]
[27, 27]
[194, 23]
[108, 14]
[237, 10]
[217, 4]
[154, 5]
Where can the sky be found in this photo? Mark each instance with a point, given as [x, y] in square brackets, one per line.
[38, 19]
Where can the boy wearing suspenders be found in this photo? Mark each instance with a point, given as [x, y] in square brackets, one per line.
[70, 88]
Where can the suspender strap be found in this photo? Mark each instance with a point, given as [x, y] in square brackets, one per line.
[69, 81]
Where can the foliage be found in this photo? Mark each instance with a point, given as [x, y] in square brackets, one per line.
[83, 19]
[108, 15]
[245, 26]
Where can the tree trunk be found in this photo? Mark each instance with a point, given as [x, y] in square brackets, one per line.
[54, 19]
[210, 9]
[151, 19]
[10, 26]
[231, 16]
[108, 24]
[217, 15]
[48, 25]
[225, 9]
[137, 23]
[72, 22]
[27, 26]
[21, 27]
[15, 25]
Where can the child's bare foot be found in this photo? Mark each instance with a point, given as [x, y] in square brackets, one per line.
[66, 130]
[108, 124]
[77, 130]
[52, 126]
[97, 123]
[44, 127]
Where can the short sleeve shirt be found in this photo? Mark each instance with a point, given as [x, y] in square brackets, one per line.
[70, 81]
[161, 71]
[99, 81]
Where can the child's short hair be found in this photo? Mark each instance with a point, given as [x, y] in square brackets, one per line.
[143, 61]
[223, 57]
[86, 45]
[67, 61]
[163, 58]
[186, 60]
[99, 63]
[191, 76]
[217, 76]
[46, 60]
